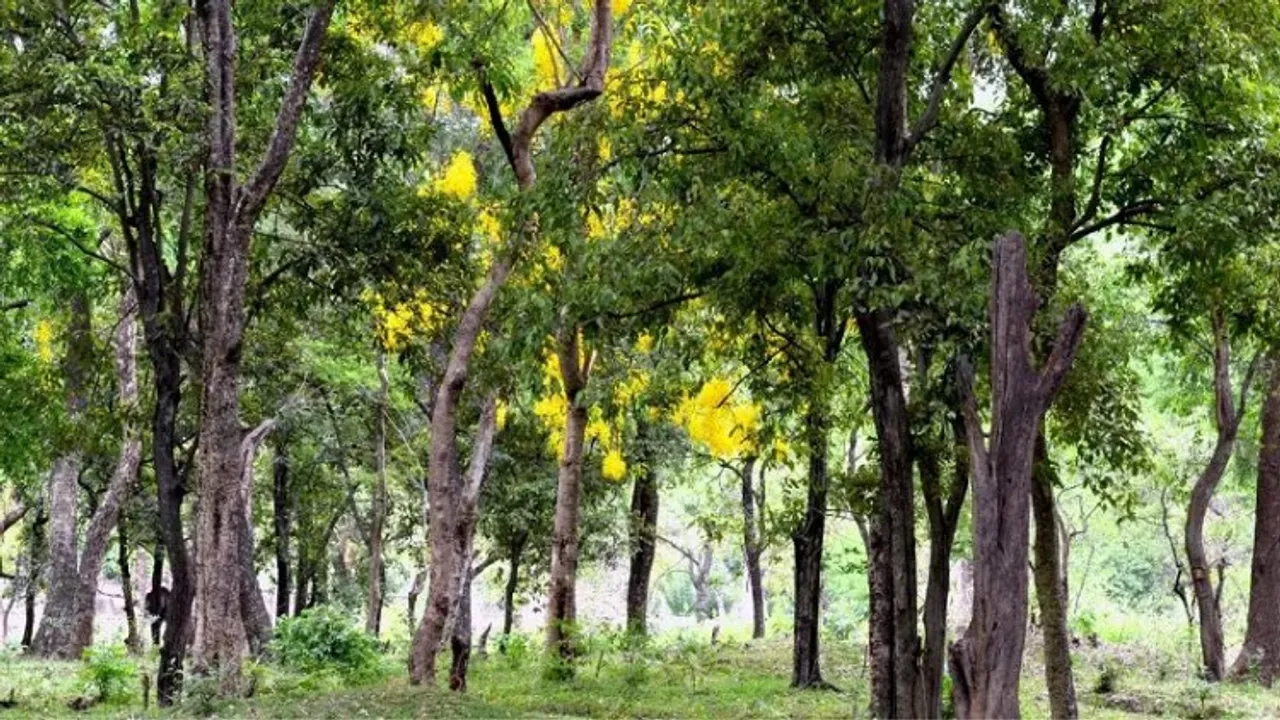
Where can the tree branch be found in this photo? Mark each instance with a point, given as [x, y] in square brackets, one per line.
[942, 79]
[1064, 351]
[1120, 217]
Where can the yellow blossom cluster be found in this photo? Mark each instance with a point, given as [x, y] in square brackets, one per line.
[459, 178]
[727, 429]
[43, 338]
[552, 411]
[396, 324]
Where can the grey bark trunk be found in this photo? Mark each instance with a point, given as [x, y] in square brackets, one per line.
[752, 547]
[1051, 587]
[561, 598]
[643, 534]
[378, 509]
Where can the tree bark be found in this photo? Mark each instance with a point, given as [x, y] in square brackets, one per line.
[1227, 418]
[231, 211]
[37, 558]
[1051, 586]
[157, 597]
[561, 599]
[133, 639]
[987, 661]
[1260, 656]
[643, 534]
[752, 547]
[282, 506]
[944, 518]
[513, 581]
[378, 509]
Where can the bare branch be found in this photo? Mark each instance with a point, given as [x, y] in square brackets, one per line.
[1064, 351]
[1095, 197]
[481, 450]
[942, 78]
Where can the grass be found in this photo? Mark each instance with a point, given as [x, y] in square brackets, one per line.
[679, 677]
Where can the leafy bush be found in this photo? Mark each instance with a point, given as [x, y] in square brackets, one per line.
[323, 639]
[108, 672]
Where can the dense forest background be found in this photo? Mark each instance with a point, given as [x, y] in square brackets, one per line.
[643, 357]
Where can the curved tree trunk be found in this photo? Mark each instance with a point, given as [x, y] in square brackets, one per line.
[987, 661]
[1260, 656]
[1051, 587]
[752, 547]
[643, 533]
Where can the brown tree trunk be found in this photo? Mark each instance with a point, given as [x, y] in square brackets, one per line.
[302, 595]
[1051, 587]
[643, 533]
[752, 547]
[158, 596]
[460, 642]
[37, 558]
[561, 600]
[231, 211]
[513, 581]
[133, 639]
[987, 661]
[257, 619]
[1260, 656]
[944, 517]
[378, 509]
[806, 671]
[411, 600]
[282, 507]
[897, 687]
[1227, 417]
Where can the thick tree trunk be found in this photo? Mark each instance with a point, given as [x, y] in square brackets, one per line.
[643, 534]
[897, 685]
[302, 595]
[378, 508]
[752, 547]
[133, 639]
[1260, 656]
[513, 581]
[561, 600]
[987, 661]
[460, 642]
[944, 517]
[231, 211]
[1227, 417]
[806, 670]
[1051, 587]
[282, 507]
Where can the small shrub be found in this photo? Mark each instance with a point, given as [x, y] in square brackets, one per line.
[1108, 678]
[201, 695]
[323, 639]
[515, 650]
[108, 673]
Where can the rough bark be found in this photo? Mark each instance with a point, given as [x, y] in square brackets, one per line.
[944, 517]
[282, 507]
[1227, 418]
[896, 687]
[231, 211]
[460, 641]
[643, 533]
[1051, 586]
[752, 547]
[133, 639]
[1260, 657]
[513, 582]
[987, 661]
[561, 598]
[157, 597]
[378, 508]
[37, 558]
[257, 619]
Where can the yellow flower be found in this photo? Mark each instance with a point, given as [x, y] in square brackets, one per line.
[459, 179]
[490, 226]
[43, 337]
[644, 343]
[545, 70]
[425, 36]
[613, 466]
[500, 417]
[727, 430]
[620, 7]
[595, 228]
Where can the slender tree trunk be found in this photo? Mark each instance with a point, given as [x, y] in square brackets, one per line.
[751, 547]
[561, 600]
[460, 642]
[1227, 417]
[378, 509]
[1260, 656]
[133, 639]
[987, 662]
[37, 558]
[411, 601]
[282, 506]
[157, 598]
[302, 596]
[806, 669]
[1051, 587]
[944, 518]
[513, 581]
[643, 533]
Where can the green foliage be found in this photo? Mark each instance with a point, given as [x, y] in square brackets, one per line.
[108, 672]
[324, 639]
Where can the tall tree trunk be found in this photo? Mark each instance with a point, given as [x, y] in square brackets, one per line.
[411, 600]
[561, 599]
[513, 581]
[460, 642]
[987, 661]
[231, 211]
[158, 596]
[133, 639]
[257, 619]
[302, 595]
[1260, 656]
[643, 534]
[282, 507]
[37, 559]
[1051, 586]
[898, 692]
[752, 547]
[944, 518]
[378, 509]
[1227, 417]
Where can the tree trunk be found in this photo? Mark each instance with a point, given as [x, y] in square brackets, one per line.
[158, 596]
[513, 581]
[561, 600]
[133, 639]
[231, 211]
[944, 517]
[460, 642]
[897, 687]
[1227, 418]
[643, 533]
[378, 508]
[700, 574]
[807, 539]
[1260, 656]
[411, 601]
[752, 547]
[37, 558]
[302, 595]
[282, 506]
[987, 661]
[1051, 587]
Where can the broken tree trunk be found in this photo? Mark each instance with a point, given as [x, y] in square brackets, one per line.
[987, 661]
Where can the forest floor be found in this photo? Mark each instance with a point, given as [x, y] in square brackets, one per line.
[679, 679]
